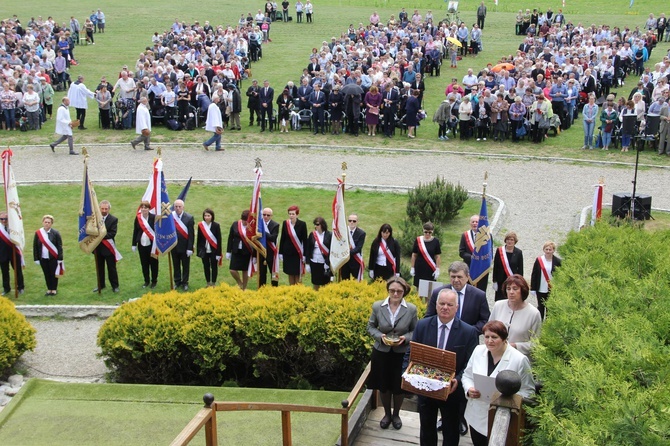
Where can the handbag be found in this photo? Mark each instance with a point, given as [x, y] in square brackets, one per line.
[521, 131]
[609, 127]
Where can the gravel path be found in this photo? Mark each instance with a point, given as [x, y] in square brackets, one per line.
[543, 199]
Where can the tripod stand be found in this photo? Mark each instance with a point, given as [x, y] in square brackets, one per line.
[634, 200]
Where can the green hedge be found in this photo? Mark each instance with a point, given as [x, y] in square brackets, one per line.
[16, 335]
[604, 352]
[274, 337]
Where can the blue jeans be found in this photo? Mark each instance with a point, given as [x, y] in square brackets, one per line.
[607, 139]
[216, 138]
[625, 140]
[10, 118]
[589, 127]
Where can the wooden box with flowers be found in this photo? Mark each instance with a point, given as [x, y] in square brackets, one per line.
[429, 372]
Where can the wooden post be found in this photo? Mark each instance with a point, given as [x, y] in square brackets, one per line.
[210, 426]
[16, 274]
[97, 271]
[344, 430]
[286, 428]
[170, 270]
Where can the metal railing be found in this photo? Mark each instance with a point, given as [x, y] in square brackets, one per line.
[206, 417]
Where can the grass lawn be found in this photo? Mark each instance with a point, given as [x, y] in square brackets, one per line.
[53, 413]
[374, 208]
[130, 26]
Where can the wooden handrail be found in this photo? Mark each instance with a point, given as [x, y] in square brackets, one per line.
[207, 416]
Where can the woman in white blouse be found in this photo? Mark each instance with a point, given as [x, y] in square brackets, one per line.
[543, 271]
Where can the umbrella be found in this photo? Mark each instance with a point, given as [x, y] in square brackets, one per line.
[352, 88]
[502, 66]
[454, 41]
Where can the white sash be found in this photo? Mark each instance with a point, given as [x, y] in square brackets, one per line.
[324, 251]
[359, 259]
[44, 238]
[207, 232]
[505, 261]
[297, 244]
[180, 226]
[546, 274]
[4, 236]
[388, 255]
[146, 228]
[109, 243]
[424, 252]
[469, 240]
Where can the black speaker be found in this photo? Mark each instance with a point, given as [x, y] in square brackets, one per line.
[621, 206]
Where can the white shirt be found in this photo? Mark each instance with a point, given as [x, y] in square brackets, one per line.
[392, 314]
[78, 94]
[143, 119]
[214, 119]
[63, 121]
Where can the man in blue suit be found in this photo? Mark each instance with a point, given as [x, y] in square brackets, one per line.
[317, 100]
[266, 98]
[391, 97]
[473, 306]
[446, 331]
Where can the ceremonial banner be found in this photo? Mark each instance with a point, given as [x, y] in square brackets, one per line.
[339, 244]
[164, 225]
[597, 209]
[255, 223]
[480, 265]
[14, 217]
[184, 191]
[92, 228]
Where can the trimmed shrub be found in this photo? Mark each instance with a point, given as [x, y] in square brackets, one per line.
[437, 201]
[16, 335]
[290, 336]
[604, 352]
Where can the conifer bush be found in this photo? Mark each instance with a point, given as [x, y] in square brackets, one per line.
[604, 352]
[274, 337]
[438, 201]
[16, 335]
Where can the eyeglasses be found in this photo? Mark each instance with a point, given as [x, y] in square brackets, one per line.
[392, 291]
[427, 232]
[267, 215]
[3, 219]
[353, 221]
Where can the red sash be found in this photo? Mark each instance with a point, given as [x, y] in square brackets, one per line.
[424, 252]
[505, 261]
[275, 260]
[44, 238]
[180, 226]
[109, 244]
[545, 273]
[359, 259]
[324, 251]
[146, 228]
[469, 241]
[296, 244]
[251, 268]
[388, 255]
[5, 238]
[213, 242]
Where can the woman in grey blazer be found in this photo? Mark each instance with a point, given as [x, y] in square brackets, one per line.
[391, 325]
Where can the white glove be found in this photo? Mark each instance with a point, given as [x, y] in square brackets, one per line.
[397, 274]
[495, 286]
[189, 253]
[281, 257]
[326, 268]
[134, 248]
[254, 260]
[534, 294]
[308, 269]
[436, 273]
[218, 258]
[37, 262]
[412, 272]
[304, 259]
[371, 274]
[228, 255]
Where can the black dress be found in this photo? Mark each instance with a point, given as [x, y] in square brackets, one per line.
[336, 102]
[411, 110]
[421, 268]
[240, 254]
[292, 257]
[515, 259]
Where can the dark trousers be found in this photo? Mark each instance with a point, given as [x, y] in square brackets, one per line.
[104, 118]
[266, 113]
[382, 272]
[350, 270]
[450, 412]
[265, 266]
[252, 112]
[181, 264]
[81, 116]
[317, 118]
[149, 264]
[477, 438]
[110, 261]
[6, 278]
[49, 269]
[541, 302]
[480, 21]
[389, 121]
[211, 267]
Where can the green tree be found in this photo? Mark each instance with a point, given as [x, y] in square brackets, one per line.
[437, 201]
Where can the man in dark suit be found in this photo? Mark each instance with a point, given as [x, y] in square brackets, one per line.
[106, 252]
[253, 103]
[181, 254]
[473, 306]
[418, 85]
[455, 336]
[352, 269]
[317, 100]
[466, 247]
[304, 92]
[7, 258]
[390, 101]
[266, 98]
[271, 234]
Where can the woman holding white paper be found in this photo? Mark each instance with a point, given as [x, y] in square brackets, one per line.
[487, 360]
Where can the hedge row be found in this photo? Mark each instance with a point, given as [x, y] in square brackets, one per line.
[275, 337]
[604, 352]
[16, 335]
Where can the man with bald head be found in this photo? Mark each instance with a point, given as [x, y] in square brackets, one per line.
[181, 254]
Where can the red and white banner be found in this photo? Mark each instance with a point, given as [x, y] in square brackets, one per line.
[339, 244]
[4, 238]
[13, 206]
[597, 209]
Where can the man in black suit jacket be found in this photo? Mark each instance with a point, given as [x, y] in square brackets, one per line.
[105, 252]
[466, 246]
[461, 339]
[253, 103]
[181, 254]
[303, 94]
[474, 308]
[7, 258]
[271, 234]
[390, 100]
[266, 98]
[418, 85]
[142, 243]
[352, 268]
[317, 100]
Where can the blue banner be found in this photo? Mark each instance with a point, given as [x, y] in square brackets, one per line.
[166, 233]
[482, 256]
